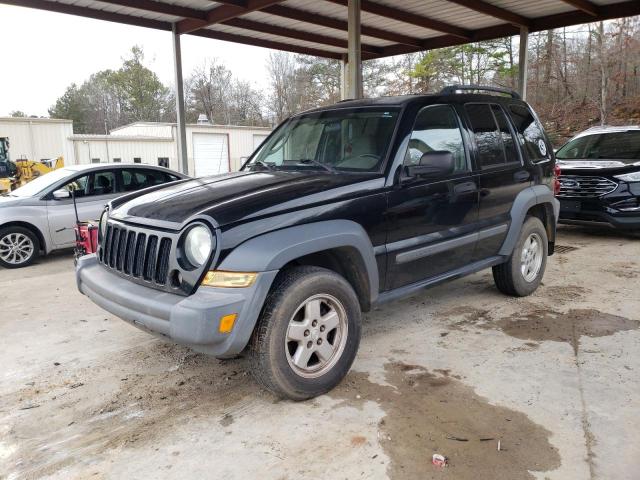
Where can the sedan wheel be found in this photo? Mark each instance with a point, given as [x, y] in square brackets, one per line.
[18, 247]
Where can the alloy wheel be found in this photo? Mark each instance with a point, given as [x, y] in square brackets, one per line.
[531, 257]
[316, 336]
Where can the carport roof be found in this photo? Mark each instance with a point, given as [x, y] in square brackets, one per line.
[319, 27]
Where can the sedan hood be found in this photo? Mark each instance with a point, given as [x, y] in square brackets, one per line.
[238, 196]
[8, 201]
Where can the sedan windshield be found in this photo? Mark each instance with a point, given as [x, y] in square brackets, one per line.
[39, 184]
[336, 140]
[622, 146]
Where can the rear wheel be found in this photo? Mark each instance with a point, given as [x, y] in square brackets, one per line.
[308, 334]
[19, 247]
[522, 274]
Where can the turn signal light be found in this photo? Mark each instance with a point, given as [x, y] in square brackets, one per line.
[216, 278]
[226, 323]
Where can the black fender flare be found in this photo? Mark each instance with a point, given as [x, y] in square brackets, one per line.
[273, 250]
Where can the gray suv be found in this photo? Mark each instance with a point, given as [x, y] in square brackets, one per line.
[39, 216]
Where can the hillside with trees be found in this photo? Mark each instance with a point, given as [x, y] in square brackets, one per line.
[578, 77]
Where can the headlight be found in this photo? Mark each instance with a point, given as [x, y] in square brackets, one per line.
[629, 177]
[103, 223]
[198, 245]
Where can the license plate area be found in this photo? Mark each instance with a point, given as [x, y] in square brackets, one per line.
[570, 206]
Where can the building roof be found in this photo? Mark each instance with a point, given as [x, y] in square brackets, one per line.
[34, 119]
[119, 138]
[170, 124]
[319, 27]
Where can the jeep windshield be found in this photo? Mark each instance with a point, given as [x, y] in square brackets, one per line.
[355, 140]
[622, 146]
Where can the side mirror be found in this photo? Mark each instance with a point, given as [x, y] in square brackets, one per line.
[62, 194]
[439, 163]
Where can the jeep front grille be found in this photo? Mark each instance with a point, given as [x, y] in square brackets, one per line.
[144, 256]
[585, 186]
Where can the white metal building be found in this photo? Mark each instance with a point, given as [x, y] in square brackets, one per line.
[38, 138]
[211, 149]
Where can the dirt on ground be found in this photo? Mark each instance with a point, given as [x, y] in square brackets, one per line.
[453, 370]
[430, 413]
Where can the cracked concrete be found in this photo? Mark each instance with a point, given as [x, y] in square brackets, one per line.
[82, 394]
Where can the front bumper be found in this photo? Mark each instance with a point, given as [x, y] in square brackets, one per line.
[594, 212]
[191, 321]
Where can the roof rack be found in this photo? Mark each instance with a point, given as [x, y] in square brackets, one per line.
[453, 89]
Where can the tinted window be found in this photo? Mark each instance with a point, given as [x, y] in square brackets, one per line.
[488, 141]
[623, 146]
[436, 129]
[530, 133]
[505, 134]
[163, 162]
[137, 160]
[93, 184]
[139, 178]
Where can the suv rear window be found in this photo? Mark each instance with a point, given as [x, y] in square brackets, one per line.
[530, 133]
[493, 136]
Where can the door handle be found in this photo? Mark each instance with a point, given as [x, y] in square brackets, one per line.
[465, 188]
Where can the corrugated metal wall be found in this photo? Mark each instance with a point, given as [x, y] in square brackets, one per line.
[105, 150]
[37, 139]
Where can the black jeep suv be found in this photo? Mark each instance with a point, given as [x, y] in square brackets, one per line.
[600, 180]
[339, 209]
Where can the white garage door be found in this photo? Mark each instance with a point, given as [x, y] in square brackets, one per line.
[210, 153]
[257, 140]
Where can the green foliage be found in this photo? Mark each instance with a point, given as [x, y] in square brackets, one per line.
[111, 98]
[18, 114]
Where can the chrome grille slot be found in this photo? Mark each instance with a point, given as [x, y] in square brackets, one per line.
[580, 186]
[136, 254]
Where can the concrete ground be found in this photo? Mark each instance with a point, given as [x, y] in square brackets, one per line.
[554, 379]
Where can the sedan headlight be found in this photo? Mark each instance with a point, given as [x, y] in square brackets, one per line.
[103, 223]
[629, 177]
[198, 245]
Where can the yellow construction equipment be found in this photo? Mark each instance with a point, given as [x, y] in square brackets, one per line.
[14, 174]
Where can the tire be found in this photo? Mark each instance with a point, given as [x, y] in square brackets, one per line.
[284, 347]
[28, 242]
[514, 277]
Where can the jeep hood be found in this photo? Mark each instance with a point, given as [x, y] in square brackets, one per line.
[240, 196]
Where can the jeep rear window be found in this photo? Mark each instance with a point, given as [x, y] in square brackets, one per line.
[345, 140]
[623, 146]
[530, 133]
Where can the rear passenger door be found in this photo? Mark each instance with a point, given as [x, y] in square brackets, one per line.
[432, 221]
[501, 170]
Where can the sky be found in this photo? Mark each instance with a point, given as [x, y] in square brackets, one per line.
[44, 52]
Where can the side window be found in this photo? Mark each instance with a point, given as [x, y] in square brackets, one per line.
[139, 178]
[102, 183]
[530, 133]
[488, 141]
[163, 162]
[79, 185]
[137, 160]
[508, 141]
[436, 129]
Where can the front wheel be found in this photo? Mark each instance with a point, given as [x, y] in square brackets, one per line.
[19, 247]
[522, 273]
[308, 334]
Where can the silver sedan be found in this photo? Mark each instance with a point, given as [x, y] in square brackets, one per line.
[39, 216]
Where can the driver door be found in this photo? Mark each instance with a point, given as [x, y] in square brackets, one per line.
[92, 191]
[432, 220]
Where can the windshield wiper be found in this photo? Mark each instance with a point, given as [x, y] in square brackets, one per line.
[328, 168]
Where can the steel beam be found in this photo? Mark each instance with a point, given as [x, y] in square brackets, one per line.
[181, 128]
[222, 13]
[493, 11]
[584, 5]
[354, 67]
[523, 62]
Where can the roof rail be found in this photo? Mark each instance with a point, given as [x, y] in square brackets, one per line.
[452, 89]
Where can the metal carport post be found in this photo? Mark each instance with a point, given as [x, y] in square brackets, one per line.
[181, 128]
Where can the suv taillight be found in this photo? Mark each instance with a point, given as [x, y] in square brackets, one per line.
[556, 180]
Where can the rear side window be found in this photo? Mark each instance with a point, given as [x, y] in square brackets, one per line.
[506, 135]
[140, 178]
[530, 133]
[487, 136]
